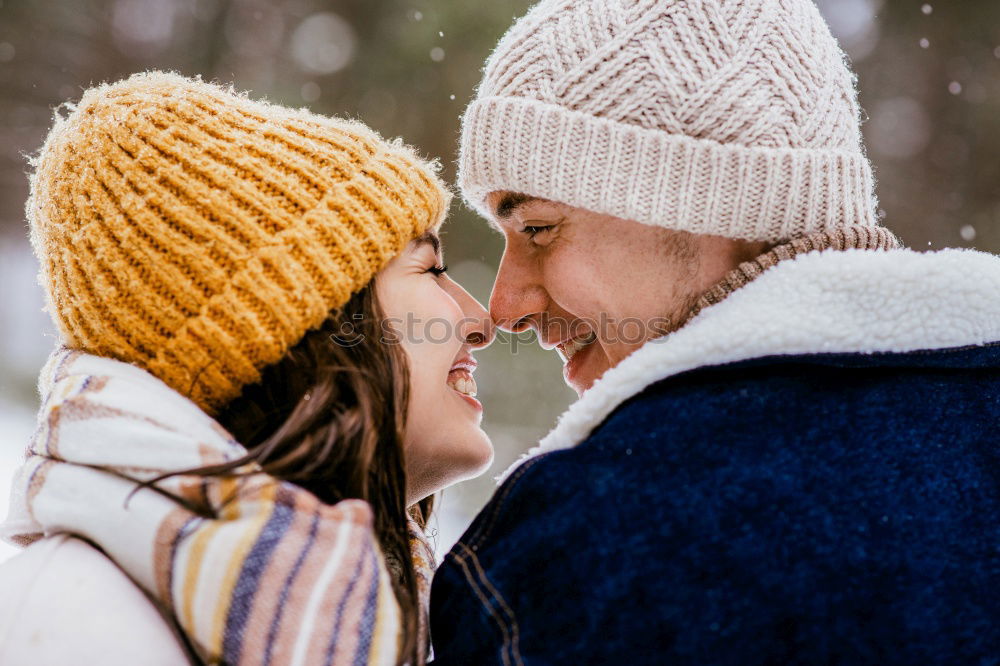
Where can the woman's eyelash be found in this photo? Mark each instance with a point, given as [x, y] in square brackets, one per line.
[438, 271]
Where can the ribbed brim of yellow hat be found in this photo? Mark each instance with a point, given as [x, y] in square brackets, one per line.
[200, 234]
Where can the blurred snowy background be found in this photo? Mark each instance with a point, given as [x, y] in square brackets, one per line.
[929, 76]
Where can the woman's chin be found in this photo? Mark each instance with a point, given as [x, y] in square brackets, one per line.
[475, 457]
[485, 458]
[462, 458]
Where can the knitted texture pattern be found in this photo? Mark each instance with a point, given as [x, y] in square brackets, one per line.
[736, 118]
[849, 238]
[199, 234]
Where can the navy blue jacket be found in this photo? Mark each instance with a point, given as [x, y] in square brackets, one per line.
[819, 509]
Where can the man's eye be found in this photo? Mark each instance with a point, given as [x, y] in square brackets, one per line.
[534, 231]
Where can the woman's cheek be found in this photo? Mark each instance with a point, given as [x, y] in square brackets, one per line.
[446, 316]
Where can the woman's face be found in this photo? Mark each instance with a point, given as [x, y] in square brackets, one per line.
[439, 325]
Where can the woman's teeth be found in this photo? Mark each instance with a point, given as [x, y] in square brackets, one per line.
[462, 381]
[568, 350]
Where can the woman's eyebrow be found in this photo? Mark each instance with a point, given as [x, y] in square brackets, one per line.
[430, 238]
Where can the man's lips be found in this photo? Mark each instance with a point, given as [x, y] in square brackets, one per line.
[574, 367]
[567, 349]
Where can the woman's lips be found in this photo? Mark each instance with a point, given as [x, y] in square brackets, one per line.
[461, 381]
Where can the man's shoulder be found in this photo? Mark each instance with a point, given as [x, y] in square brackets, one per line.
[757, 451]
[799, 488]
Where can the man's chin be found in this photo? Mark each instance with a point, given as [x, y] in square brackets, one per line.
[590, 364]
[582, 377]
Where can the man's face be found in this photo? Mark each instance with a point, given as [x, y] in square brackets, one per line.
[596, 287]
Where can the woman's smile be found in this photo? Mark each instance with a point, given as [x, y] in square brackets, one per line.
[461, 381]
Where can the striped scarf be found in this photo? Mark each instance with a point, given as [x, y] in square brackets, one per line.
[253, 570]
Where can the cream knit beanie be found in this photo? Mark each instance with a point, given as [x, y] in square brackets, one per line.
[736, 118]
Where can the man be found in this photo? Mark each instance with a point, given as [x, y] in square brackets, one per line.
[786, 445]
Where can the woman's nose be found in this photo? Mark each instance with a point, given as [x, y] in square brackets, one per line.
[477, 328]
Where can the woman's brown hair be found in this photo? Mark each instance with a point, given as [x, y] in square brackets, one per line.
[330, 417]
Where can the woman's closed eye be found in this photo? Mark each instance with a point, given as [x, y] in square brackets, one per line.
[437, 270]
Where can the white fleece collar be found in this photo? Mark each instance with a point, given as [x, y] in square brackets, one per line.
[837, 301]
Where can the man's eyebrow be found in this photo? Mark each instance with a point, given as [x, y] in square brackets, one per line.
[510, 202]
[430, 238]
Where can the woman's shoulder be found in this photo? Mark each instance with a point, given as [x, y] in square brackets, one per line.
[64, 601]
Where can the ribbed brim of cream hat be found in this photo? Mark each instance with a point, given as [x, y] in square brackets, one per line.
[737, 119]
[200, 234]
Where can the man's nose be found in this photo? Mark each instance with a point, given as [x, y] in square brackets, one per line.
[517, 294]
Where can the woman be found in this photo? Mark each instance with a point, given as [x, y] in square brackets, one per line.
[244, 293]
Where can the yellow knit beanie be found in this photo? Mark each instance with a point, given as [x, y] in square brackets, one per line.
[199, 234]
